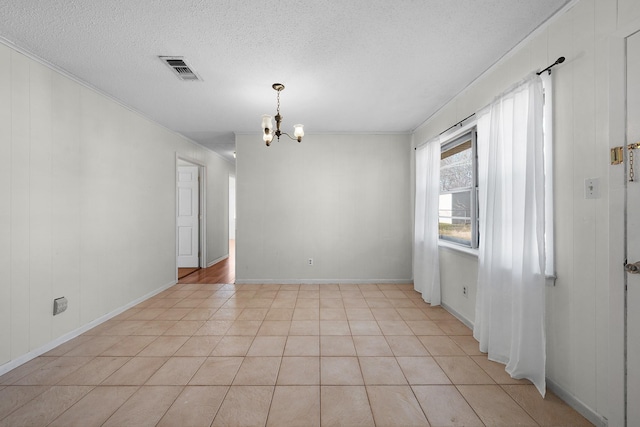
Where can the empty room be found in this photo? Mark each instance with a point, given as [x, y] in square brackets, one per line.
[320, 213]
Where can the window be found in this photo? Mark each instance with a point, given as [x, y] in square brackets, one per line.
[458, 207]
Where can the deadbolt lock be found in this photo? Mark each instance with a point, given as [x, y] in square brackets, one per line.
[633, 268]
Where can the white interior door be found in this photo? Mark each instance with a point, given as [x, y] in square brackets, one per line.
[188, 212]
[633, 232]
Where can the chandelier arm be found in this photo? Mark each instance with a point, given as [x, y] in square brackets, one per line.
[299, 139]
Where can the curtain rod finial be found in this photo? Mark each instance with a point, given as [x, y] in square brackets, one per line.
[558, 61]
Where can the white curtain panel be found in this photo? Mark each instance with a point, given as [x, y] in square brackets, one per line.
[510, 305]
[426, 262]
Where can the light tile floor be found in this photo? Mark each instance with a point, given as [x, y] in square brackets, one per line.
[276, 355]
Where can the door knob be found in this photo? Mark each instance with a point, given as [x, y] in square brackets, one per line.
[633, 268]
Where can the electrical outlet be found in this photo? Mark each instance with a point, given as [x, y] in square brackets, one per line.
[310, 261]
[59, 305]
[465, 292]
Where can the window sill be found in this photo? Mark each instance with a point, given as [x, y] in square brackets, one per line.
[458, 248]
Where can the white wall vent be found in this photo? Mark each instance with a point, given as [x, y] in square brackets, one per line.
[180, 68]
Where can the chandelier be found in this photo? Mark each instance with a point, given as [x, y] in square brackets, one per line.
[267, 124]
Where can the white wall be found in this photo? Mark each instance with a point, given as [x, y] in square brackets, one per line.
[87, 204]
[232, 208]
[343, 200]
[459, 270]
[577, 307]
[218, 171]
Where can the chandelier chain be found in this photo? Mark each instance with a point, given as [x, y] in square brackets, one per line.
[278, 103]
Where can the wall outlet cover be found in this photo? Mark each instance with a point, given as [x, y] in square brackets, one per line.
[59, 305]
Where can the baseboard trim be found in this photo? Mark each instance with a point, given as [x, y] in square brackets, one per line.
[79, 331]
[577, 404]
[552, 386]
[321, 281]
[215, 261]
[457, 315]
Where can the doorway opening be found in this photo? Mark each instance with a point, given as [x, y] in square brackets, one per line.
[190, 214]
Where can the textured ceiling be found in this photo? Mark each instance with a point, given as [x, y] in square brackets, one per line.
[348, 65]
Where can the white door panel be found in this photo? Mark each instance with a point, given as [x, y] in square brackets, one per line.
[185, 242]
[188, 230]
[185, 196]
[633, 233]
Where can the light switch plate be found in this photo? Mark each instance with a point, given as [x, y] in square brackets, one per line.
[592, 188]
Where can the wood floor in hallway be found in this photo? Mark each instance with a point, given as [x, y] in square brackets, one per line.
[221, 272]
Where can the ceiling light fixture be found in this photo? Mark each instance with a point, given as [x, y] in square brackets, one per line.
[267, 124]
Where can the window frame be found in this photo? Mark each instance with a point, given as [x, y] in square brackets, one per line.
[449, 142]
[549, 185]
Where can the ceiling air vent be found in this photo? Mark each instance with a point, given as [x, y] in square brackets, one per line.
[180, 68]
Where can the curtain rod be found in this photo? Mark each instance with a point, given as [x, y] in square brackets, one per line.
[558, 61]
[459, 123]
